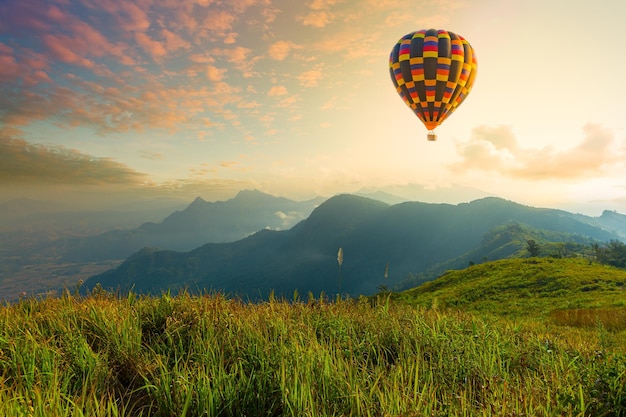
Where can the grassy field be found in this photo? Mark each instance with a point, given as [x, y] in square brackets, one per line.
[185, 355]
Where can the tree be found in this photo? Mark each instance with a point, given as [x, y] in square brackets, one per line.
[532, 247]
[613, 253]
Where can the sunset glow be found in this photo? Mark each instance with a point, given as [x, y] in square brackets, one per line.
[208, 97]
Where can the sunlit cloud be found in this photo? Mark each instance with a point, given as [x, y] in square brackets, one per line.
[318, 19]
[152, 47]
[322, 4]
[240, 57]
[310, 78]
[277, 90]
[21, 162]
[496, 149]
[319, 15]
[288, 102]
[214, 73]
[281, 49]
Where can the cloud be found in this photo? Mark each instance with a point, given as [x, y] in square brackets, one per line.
[21, 162]
[322, 4]
[240, 57]
[320, 14]
[219, 22]
[318, 19]
[155, 49]
[495, 149]
[9, 68]
[368, 45]
[214, 73]
[129, 16]
[67, 50]
[173, 41]
[277, 90]
[289, 218]
[310, 78]
[281, 49]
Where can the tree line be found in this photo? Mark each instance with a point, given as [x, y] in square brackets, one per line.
[610, 253]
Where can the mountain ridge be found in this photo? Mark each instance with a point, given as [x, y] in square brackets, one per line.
[412, 237]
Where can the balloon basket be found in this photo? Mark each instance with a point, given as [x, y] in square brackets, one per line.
[432, 136]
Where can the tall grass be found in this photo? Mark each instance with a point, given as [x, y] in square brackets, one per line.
[211, 356]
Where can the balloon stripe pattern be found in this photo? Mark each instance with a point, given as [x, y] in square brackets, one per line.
[433, 71]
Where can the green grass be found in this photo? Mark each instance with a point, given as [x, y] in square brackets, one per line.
[529, 287]
[210, 356]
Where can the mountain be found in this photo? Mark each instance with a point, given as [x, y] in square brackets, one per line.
[201, 222]
[412, 238]
[45, 245]
[611, 220]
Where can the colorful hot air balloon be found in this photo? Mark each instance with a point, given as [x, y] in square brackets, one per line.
[433, 71]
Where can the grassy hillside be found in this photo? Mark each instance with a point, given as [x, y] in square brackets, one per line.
[210, 356]
[534, 287]
[506, 242]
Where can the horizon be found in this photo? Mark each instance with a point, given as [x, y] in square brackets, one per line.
[114, 102]
[179, 203]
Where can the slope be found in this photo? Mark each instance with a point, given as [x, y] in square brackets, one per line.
[523, 287]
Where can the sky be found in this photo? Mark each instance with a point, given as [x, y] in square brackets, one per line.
[112, 99]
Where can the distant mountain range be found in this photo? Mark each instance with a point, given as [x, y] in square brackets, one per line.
[414, 241]
[201, 222]
[43, 246]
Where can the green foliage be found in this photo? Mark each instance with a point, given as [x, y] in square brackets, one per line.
[612, 253]
[207, 355]
[532, 247]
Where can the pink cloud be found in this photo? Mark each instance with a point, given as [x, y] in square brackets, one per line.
[155, 49]
[9, 68]
[129, 16]
[67, 50]
[25, 16]
[72, 41]
[173, 41]
[98, 45]
[219, 22]
[34, 60]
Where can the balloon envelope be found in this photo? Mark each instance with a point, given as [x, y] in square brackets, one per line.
[433, 71]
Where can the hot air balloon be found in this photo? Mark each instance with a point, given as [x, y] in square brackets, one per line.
[433, 71]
